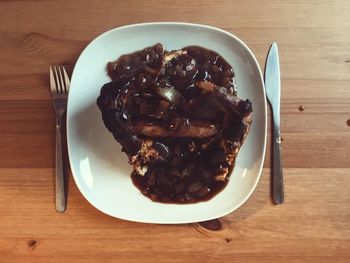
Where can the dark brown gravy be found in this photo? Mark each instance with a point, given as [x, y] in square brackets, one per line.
[188, 166]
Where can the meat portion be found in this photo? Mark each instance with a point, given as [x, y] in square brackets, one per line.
[178, 118]
[184, 130]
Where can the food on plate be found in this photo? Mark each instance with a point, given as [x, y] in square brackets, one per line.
[178, 118]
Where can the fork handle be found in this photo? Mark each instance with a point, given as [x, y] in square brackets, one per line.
[60, 194]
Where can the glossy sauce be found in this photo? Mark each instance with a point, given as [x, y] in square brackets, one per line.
[188, 165]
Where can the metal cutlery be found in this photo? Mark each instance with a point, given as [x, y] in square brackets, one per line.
[59, 83]
[273, 92]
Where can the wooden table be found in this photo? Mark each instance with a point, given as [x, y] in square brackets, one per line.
[312, 226]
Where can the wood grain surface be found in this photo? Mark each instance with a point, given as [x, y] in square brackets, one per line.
[312, 226]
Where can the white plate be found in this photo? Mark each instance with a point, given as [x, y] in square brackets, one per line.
[101, 171]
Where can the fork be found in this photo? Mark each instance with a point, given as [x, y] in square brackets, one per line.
[59, 83]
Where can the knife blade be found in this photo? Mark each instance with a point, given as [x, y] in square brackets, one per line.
[273, 93]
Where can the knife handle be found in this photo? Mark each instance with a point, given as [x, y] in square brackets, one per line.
[277, 171]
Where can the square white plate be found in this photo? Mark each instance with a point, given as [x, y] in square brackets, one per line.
[101, 171]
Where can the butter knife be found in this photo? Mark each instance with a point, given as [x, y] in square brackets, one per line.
[273, 93]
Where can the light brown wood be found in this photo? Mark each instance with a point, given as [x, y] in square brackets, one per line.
[313, 224]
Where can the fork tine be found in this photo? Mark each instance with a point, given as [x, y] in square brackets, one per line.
[63, 85]
[58, 83]
[66, 78]
[52, 82]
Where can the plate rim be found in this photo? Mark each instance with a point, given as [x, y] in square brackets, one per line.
[260, 168]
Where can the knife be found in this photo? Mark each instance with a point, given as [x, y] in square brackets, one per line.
[273, 93]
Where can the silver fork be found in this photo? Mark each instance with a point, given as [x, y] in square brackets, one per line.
[59, 83]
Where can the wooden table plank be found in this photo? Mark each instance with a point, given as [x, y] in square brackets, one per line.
[309, 225]
[313, 224]
[313, 134]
